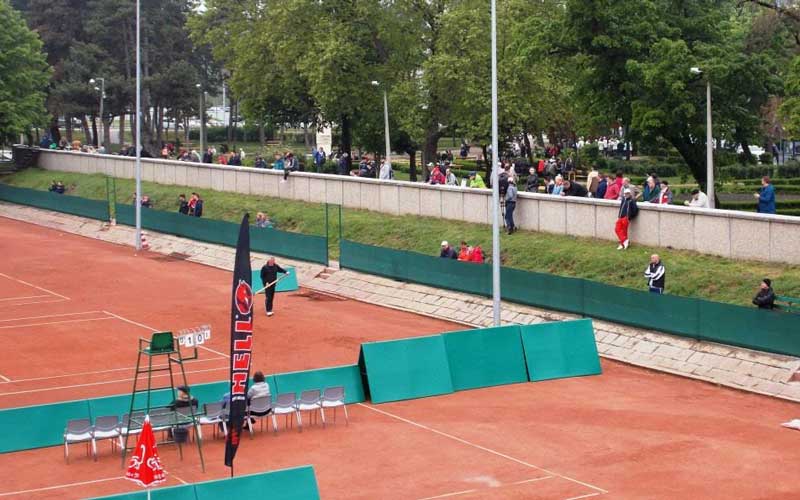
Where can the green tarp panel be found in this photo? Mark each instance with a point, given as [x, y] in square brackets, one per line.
[542, 290]
[288, 284]
[560, 349]
[272, 241]
[39, 426]
[485, 357]
[298, 483]
[640, 308]
[753, 328]
[347, 376]
[94, 209]
[406, 368]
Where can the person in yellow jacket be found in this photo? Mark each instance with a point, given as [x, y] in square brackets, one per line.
[476, 181]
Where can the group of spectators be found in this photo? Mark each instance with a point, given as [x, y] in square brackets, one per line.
[193, 206]
[465, 254]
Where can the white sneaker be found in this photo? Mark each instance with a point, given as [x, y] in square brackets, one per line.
[620, 247]
[626, 244]
[270, 313]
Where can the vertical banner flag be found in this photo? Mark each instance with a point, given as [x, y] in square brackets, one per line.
[241, 340]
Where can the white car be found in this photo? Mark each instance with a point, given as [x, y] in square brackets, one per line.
[754, 150]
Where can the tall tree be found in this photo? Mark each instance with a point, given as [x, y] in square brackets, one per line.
[25, 74]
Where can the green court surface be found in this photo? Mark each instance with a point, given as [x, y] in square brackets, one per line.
[288, 284]
[299, 483]
[485, 357]
[406, 368]
[560, 349]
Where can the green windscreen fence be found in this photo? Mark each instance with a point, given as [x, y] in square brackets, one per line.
[348, 377]
[406, 369]
[769, 331]
[485, 357]
[94, 209]
[298, 483]
[560, 349]
[272, 241]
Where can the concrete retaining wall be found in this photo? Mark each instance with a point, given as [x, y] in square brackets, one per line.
[735, 234]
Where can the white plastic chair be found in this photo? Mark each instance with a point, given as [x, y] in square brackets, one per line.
[285, 404]
[108, 427]
[259, 408]
[79, 431]
[214, 415]
[310, 401]
[333, 397]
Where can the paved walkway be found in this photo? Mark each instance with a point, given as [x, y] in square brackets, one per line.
[739, 368]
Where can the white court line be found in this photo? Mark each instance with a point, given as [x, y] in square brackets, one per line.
[517, 483]
[179, 479]
[55, 322]
[34, 286]
[583, 496]
[49, 316]
[489, 450]
[97, 372]
[463, 492]
[38, 302]
[5, 378]
[43, 389]
[156, 330]
[23, 297]
[68, 485]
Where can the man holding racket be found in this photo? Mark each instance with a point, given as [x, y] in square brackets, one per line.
[269, 277]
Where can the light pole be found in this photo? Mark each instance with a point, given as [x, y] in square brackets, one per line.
[709, 141]
[386, 125]
[102, 90]
[495, 181]
[202, 117]
[138, 146]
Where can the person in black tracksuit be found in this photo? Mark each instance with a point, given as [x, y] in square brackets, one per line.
[269, 273]
[656, 275]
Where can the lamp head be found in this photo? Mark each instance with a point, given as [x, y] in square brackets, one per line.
[198, 85]
[375, 83]
[695, 70]
[92, 81]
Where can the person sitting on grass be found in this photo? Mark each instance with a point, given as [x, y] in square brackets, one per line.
[146, 203]
[263, 221]
[183, 205]
[447, 251]
[198, 206]
[464, 254]
[765, 298]
[476, 255]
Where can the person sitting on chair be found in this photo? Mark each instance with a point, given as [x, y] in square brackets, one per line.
[260, 388]
[183, 400]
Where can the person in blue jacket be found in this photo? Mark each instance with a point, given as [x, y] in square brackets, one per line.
[766, 197]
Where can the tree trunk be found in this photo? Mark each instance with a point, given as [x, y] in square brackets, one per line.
[528, 149]
[203, 129]
[95, 137]
[432, 136]
[68, 125]
[412, 165]
[694, 154]
[87, 134]
[230, 122]
[133, 128]
[306, 136]
[742, 139]
[55, 132]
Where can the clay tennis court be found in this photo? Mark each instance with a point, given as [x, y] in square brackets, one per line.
[71, 310]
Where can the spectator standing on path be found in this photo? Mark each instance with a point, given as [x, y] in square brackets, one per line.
[343, 164]
[602, 186]
[386, 171]
[765, 298]
[614, 187]
[558, 187]
[437, 177]
[532, 183]
[269, 274]
[451, 178]
[656, 274]
[699, 199]
[476, 181]
[279, 164]
[319, 159]
[766, 197]
[208, 156]
[665, 196]
[447, 251]
[260, 163]
[627, 211]
[511, 204]
[572, 188]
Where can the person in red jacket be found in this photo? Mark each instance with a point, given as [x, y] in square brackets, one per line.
[437, 177]
[465, 252]
[476, 255]
[614, 188]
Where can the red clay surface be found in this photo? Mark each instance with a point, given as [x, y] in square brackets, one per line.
[629, 433]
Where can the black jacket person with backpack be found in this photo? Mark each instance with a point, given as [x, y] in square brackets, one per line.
[627, 211]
